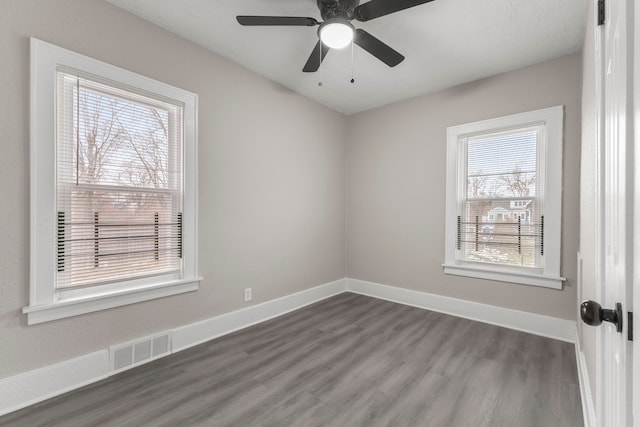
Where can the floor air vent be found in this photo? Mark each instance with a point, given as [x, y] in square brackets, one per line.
[134, 353]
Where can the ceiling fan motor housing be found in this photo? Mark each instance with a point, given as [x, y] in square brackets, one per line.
[332, 9]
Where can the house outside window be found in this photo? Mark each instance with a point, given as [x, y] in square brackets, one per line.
[503, 209]
[113, 186]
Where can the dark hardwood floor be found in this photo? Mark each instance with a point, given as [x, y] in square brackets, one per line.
[349, 360]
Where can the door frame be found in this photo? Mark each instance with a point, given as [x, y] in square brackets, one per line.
[635, 392]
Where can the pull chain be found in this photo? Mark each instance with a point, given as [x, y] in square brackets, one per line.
[320, 63]
[352, 79]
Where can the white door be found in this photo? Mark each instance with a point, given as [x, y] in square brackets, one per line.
[616, 233]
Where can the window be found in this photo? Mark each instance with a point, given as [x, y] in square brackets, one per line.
[503, 209]
[113, 196]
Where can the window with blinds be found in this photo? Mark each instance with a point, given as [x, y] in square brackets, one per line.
[501, 206]
[504, 198]
[119, 178]
[113, 186]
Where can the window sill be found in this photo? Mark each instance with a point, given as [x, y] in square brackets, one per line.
[73, 307]
[504, 276]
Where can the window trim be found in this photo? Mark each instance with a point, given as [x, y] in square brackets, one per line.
[44, 305]
[549, 275]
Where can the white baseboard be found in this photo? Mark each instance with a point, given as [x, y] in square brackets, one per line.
[41, 384]
[546, 326]
[588, 405]
[35, 386]
[206, 330]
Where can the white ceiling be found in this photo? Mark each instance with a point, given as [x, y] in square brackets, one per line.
[445, 42]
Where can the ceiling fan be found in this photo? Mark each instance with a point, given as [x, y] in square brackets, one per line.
[337, 32]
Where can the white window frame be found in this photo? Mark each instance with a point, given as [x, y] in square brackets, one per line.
[44, 302]
[547, 276]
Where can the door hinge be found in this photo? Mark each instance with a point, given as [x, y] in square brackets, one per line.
[630, 325]
[600, 12]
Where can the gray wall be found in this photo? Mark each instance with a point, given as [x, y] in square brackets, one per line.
[588, 185]
[271, 177]
[272, 182]
[396, 192]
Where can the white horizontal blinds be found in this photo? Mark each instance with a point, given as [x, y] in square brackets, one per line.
[119, 184]
[501, 209]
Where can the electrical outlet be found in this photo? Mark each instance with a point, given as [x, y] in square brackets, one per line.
[247, 295]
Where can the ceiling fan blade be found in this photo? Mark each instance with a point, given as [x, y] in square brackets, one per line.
[377, 48]
[293, 21]
[377, 8]
[314, 61]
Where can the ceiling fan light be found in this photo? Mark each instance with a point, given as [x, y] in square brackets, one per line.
[336, 35]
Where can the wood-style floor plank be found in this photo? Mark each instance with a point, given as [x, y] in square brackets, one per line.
[349, 360]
